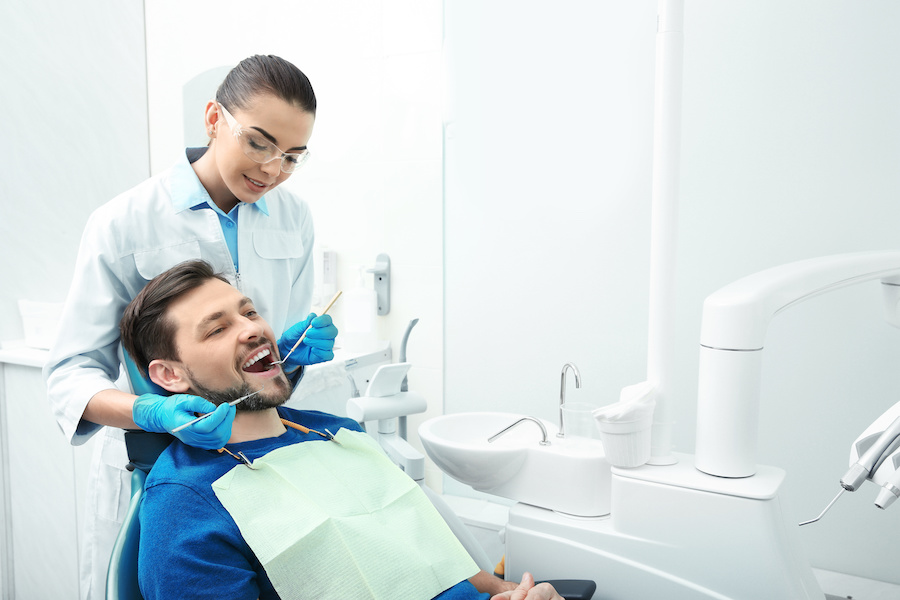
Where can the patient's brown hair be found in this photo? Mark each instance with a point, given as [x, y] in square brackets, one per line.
[147, 332]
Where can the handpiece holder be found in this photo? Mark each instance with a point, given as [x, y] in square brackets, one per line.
[875, 455]
[732, 336]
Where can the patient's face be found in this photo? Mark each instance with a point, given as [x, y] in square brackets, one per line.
[227, 348]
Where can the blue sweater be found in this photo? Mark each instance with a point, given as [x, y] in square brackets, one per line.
[190, 546]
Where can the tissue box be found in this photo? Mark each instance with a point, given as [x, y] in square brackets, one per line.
[40, 321]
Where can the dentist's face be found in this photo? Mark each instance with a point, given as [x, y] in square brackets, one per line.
[284, 125]
[225, 348]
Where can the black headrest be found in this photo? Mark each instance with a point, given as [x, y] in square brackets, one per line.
[144, 448]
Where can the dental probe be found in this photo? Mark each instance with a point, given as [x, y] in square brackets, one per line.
[303, 337]
[204, 415]
[822, 514]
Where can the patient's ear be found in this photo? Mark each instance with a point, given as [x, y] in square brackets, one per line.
[169, 375]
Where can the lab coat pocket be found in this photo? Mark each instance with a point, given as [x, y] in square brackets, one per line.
[278, 244]
[112, 478]
[151, 263]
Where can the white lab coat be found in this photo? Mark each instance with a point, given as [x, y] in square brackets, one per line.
[127, 242]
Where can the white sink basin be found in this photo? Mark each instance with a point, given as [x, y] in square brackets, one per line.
[569, 475]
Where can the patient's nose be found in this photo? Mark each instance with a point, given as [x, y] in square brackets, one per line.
[251, 329]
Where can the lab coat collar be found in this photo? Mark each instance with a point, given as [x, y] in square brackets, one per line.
[189, 193]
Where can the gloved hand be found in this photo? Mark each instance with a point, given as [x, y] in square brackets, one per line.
[316, 347]
[162, 414]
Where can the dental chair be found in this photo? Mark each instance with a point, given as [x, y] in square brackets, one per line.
[144, 448]
[122, 578]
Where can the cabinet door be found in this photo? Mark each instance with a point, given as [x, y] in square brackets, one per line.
[42, 490]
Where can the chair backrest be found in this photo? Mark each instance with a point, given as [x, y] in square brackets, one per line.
[122, 577]
[143, 449]
[139, 384]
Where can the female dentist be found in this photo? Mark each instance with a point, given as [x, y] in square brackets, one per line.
[221, 203]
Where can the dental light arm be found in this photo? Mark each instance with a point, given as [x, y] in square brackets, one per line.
[732, 336]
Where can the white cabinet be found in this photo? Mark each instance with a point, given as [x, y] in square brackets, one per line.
[43, 486]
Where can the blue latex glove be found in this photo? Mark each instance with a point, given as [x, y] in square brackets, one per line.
[317, 346]
[162, 414]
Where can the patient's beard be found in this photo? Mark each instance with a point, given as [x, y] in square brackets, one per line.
[277, 396]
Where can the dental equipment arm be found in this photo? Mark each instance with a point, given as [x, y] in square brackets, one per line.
[735, 320]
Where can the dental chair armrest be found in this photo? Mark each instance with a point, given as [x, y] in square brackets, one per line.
[573, 589]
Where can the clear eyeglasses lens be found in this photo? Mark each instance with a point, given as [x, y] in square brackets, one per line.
[260, 150]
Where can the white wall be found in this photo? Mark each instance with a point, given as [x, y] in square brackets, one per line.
[373, 181]
[74, 128]
[791, 147]
[74, 132]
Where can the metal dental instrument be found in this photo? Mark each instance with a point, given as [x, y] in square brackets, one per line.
[822, 514]
[204, 415]
[303, 337]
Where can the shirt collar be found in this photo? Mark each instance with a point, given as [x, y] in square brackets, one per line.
[188, 192]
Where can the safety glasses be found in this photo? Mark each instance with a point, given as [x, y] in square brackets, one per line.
[259, 149]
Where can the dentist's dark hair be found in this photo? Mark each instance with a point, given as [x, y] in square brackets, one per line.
[266, 75]
[146, 330]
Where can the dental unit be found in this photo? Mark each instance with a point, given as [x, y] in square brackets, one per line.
[676, 526]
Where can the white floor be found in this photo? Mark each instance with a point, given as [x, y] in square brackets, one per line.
[839, 585]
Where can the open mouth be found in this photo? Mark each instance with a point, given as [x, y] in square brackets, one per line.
[260, 362]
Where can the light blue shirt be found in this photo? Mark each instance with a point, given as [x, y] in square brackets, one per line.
[190, 193]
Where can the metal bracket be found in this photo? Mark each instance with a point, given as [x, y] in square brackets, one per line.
[382, 271]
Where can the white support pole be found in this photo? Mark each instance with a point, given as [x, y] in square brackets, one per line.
[664, 221]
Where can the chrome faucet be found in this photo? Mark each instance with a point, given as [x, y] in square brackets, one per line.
[562, 394]
[544, 441]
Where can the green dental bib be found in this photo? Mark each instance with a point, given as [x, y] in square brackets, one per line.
[342, 521]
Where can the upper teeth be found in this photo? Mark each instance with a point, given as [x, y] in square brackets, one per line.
[256, 358]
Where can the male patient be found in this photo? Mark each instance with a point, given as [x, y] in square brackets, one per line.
[194, 333]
